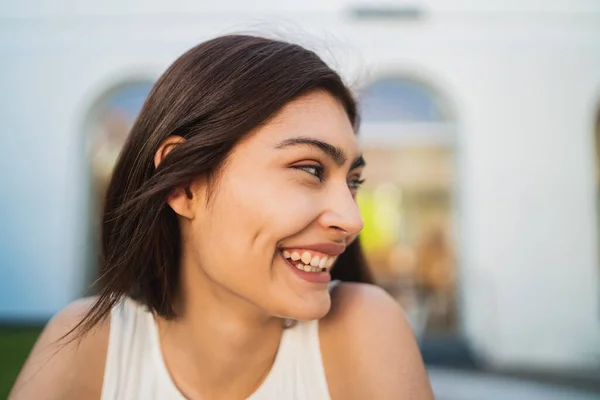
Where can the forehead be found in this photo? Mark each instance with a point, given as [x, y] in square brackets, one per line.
[317, 115]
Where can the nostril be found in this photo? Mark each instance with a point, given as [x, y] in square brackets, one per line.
[339, 228]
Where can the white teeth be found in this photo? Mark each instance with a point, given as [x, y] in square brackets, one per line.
[306, 257]
[308, 268]
[310, 263]
[323, 262]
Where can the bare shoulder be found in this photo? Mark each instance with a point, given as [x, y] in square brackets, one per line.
[65, 367]
[368, 347]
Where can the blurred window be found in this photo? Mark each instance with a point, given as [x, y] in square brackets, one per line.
[111, 119]
[108, 124]
[401, 100]
[407, 202]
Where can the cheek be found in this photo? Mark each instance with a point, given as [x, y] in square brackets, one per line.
[247, 219]
[271, 211]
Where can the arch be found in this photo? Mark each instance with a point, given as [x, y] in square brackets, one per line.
[107, 123]
[403, 98]
[409, 137]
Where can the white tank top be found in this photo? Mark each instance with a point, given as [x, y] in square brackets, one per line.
[135, 369]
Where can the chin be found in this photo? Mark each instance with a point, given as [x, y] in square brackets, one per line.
[308, 310]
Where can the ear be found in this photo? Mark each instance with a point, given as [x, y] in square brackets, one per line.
[165, 147]
[181, 199]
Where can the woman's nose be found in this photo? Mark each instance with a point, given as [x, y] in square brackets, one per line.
[342, 214]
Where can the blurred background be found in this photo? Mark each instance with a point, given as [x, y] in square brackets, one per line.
[481, 128]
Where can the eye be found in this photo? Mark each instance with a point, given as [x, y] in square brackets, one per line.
[315, 170]
[355, 184]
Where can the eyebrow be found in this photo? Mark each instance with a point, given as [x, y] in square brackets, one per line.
[335, 153]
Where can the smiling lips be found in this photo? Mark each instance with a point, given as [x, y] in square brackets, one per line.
[309, 261]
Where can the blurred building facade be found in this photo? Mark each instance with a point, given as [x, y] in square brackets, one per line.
[480, 132]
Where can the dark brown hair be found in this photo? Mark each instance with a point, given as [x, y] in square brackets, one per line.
[212, 96]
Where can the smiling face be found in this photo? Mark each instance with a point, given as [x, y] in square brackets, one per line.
[281, 210]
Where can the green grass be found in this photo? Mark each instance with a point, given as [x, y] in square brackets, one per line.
[15, 344]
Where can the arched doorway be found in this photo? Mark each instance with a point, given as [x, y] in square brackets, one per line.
[107, 126]
[408, 202]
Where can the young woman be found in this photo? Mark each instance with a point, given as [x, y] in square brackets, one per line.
[229, 220]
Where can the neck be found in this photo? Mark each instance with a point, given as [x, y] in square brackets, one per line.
[219, 345]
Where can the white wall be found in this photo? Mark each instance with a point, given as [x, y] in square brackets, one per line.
[524, 86]
[36, 8]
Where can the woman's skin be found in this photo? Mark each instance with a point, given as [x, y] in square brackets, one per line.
[290, 185]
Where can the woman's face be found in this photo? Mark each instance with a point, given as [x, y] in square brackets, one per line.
[287, 191]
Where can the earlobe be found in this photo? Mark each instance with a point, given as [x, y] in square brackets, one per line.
[183, 202]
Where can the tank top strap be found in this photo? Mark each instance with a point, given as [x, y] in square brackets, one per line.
[132, 370]
[125, 341]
